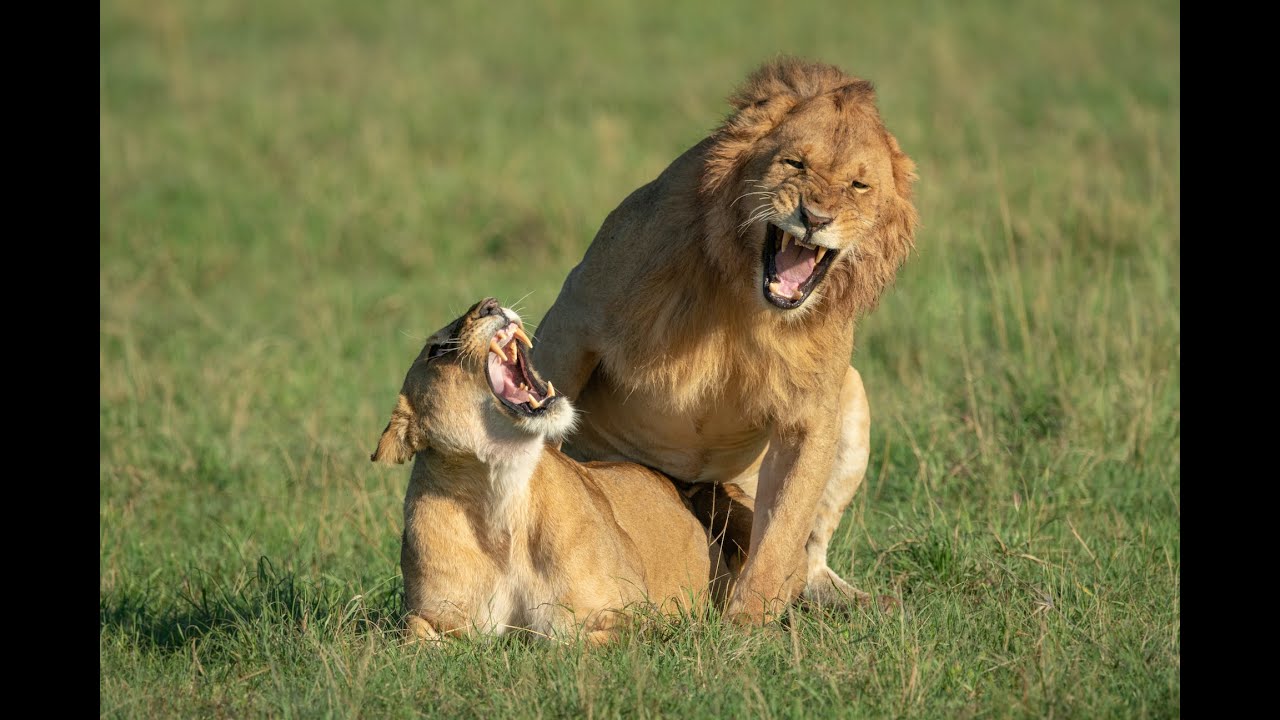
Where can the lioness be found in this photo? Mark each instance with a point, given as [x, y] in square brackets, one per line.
[503, 531]
[708, 329]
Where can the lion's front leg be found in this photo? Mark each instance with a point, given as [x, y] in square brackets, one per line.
[418, 628]
[565, 341]
[791, 482]
[853, 446]
[433, 626]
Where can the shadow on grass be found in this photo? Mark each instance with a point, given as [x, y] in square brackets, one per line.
[167, 618]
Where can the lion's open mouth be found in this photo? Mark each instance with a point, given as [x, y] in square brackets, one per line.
[511, 375]
[792, 268]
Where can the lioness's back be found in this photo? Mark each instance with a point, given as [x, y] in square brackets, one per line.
[671, 542]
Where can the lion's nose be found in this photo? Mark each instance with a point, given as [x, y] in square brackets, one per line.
[489, 306]
[812, 220]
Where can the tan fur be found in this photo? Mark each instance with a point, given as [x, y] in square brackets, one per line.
[502, 531]
[663, 336]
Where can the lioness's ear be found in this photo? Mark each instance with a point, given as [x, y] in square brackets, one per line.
[399, 439]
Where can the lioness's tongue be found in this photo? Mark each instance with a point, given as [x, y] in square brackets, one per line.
[794, 266]
[503, 381]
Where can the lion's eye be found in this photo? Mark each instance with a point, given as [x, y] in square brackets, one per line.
[860, 186]
[794, 163]
[437, 350]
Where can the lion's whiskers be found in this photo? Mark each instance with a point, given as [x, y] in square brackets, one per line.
[766, 193]
[763, 212]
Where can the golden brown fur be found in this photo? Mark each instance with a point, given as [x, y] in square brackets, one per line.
[503, 531]
[667, 340]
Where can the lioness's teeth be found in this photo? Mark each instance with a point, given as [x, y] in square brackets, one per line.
[495, 348]
[786, 240]
[512, 348]
[797, 295]
[533, 402]
[551, 390]
[523, 338]
[524, 387]
[821, 251]
[775, 289]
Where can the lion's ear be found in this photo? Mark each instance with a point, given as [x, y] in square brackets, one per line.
[902, 216]
[896, 230]
[399, 441]
[904, 169]
[791, 77]
[893, 238]
[761, 103]
[739, 132]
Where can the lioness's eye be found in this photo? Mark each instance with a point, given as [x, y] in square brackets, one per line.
[860, 186]
[794, 163]
[436, 350]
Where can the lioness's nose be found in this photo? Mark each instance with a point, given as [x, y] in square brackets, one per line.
[812, 220]
[489, 306]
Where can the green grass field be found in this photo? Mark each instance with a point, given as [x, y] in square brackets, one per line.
[293, 195]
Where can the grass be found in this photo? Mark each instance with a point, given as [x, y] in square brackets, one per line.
[294, 195]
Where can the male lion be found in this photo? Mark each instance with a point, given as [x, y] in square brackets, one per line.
[708, 329]
[503, 531]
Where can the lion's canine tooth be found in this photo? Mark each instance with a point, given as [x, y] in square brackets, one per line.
[551, 390]
[494, 347]
[786, 239]
[821, 251]
[523, 338]
[533, 402]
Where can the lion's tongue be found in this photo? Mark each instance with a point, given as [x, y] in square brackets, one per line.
[502, 379]
[794, 266]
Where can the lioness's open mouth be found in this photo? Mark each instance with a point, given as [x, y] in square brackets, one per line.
[511, 375]
[792, 268]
